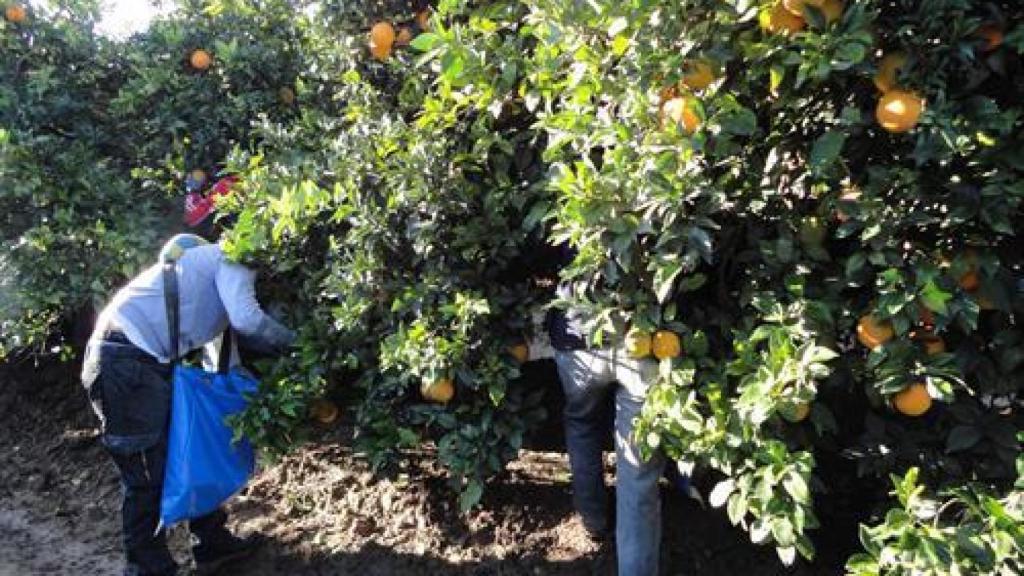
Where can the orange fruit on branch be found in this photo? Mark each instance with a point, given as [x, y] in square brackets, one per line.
[15, 14]
[680, 111]
[200, 59]
[797, 413]
[992, 34]
[382, 38]
[888, 71]
[899, 110]
[872, 332]
[913, 401]
[833, 10]
[796, 7]
[665, 344]
[324, 411]
[778, 20]
[699, 75]
[423, 19]
[441, 390]
[404, 36]
[638, 343]
[521, 352]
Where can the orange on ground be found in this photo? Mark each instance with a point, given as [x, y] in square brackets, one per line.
[200, 59]
[679, 111]
[796, 7]
[441, 390]
[833, 10]
[992, 34]
[382, 38]
[423, 19]
[699, 75]
[286, 95]
[872, 332]
[796, 413]
[324, 411]
[899, 110]
[521, 352]
[778, 20]
[889, 70]
[404, 36]
[638, 343]
[665, 344]
[913, 401]
[15, 14]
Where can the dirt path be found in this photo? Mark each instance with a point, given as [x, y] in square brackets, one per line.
[38, 545]
[324, 513]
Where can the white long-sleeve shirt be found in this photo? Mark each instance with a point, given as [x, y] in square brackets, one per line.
[213, 293]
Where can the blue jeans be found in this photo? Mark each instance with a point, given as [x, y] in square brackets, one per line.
[587, 377]
[130, 392]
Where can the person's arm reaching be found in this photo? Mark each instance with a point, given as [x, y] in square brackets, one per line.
[236, 286]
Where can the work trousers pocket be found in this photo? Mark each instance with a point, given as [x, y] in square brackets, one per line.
[135, 399]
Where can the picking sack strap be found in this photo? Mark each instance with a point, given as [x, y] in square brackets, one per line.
[172, 302]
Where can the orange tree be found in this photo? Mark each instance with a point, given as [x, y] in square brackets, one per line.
[97, 136]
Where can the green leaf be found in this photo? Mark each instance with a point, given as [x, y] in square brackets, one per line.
[827, 149]
[425, 42]
[934, 298]
[664, 277]
[963, 437]
[471, 495]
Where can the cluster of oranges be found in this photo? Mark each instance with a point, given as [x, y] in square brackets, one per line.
[662, 344]
[384, 38]
[787, 16]
[873, 332]
[678, 103]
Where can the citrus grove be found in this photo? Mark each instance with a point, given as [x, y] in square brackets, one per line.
[808, 212]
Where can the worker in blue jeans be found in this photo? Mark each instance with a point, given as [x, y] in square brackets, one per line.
[127, 376]
[588, 377]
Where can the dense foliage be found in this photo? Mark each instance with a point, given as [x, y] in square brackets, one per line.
[825, 208]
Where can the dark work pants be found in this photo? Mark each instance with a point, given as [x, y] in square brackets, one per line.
[130, 392]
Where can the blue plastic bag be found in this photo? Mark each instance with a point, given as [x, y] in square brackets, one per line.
[204, 467]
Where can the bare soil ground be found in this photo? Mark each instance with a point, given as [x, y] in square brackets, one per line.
[324, 512]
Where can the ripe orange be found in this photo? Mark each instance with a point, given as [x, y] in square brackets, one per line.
[833, 10]
[797, 413]
[441, 390]
[404, 36]
[913, 401]
[200, 59]
[778, 20]
[970, 281]
[324, 411]
[665, 344]
[889, 70]
[899, 110]
[382, 38]
[423, 18]
[796, 7]
[699, 75]
[16, 14]
[992, 35]
[680, 111]
[933, 345]
[872, 332]
[638, 343]
[286, 95]
[521, 352]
